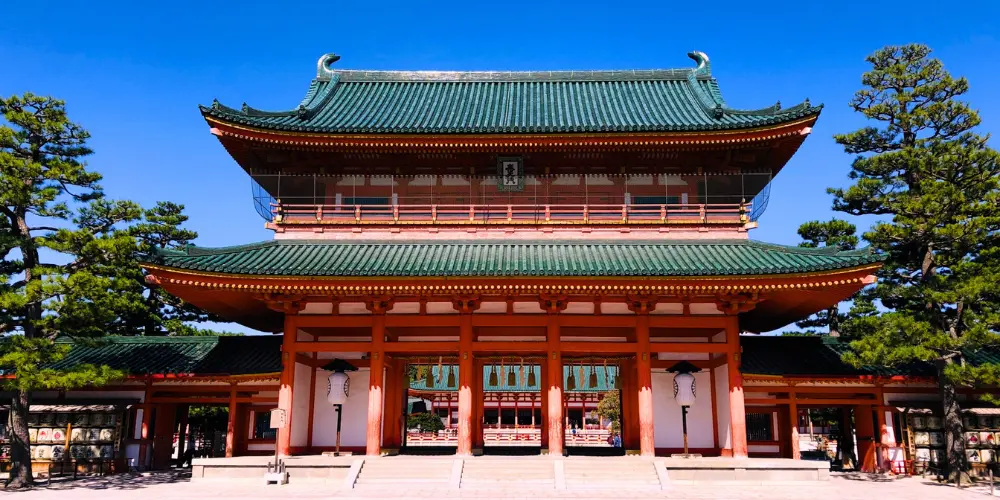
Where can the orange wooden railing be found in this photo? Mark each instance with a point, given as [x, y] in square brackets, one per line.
[733, 213]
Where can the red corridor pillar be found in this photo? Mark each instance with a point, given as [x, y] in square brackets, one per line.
[376, 387]
[737, 410]
[793, 415]
[647, 444]
[287, 381]
[554, 385]
[466, 369]
[864, 428]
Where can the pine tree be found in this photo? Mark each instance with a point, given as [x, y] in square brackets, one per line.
[935, 183]
[833, 233]
[60, 244]
[161, 313]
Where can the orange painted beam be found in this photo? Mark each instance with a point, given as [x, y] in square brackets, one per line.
[597, 321]
[423, 347]
[223, 401]
[509, 346]
[598, 347]
[706, 347]
[331, 320]
[704, 364]
[220, 389]
[811, 401]
[327, 346]
[793, 131]
[512, 320]
[426, 320]
[306, 360]
[810, 389]
[678, 321]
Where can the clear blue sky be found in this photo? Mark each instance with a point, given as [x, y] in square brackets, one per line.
[133, 73]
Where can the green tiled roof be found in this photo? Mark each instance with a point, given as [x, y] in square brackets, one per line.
[441, 381]
[261, 354]
[418, 102]
[180, 355]
[473, 259]
[819, 356]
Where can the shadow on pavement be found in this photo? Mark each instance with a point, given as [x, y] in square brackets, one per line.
[127, 481]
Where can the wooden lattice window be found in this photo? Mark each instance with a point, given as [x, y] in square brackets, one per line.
[760, 426]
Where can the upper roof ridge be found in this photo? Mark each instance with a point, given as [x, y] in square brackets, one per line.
[501, 102]
[325, 72]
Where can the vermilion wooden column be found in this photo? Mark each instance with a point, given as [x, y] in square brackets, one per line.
[312, 402]
[144, 430]
[846, 439]
[883, 430]
[737, 410]
[182, 432]
[647, 445]
[478, 404]
[865, 430]
[394, 386]
[555, 387]
[543, 380]
[466, 369]
[284, 437]
[376, 389]
[793, 417]
[231, 426]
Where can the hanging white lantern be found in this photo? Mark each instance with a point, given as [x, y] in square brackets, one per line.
[338, 386]
[684, 389]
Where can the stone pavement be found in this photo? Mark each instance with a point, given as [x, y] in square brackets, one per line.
[170, 486]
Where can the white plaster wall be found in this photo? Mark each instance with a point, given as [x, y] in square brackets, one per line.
[355, 418]
[300, 404]
[763, 448]
[668, 432]
[890, 430]
[137, 431]
[722, 406]
[260, 447]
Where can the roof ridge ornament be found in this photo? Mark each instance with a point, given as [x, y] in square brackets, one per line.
[323, 70]
[709, 102]
[704, 64]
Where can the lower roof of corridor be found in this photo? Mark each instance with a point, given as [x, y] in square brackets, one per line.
[793, 356]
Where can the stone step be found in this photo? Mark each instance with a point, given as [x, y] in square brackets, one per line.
[507, 481]
[501, 477]
[406, 480]
[612, 486]
[406, 474]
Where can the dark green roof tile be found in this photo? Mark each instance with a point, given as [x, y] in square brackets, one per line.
[488, 259]
[815, 356]
[180, 355]
[417, 102]
[261, 354]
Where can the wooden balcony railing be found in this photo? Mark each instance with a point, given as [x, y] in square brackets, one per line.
[735, 213]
